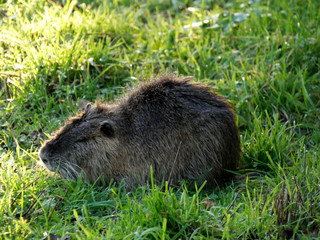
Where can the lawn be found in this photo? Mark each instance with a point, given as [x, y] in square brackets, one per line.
[264, 56]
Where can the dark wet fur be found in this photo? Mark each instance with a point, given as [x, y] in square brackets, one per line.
[180, 128]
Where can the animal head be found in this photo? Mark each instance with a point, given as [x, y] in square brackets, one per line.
[86, 144]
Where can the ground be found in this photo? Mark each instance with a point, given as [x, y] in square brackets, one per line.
[261, 55]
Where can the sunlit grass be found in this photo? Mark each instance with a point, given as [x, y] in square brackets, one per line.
[262, 55]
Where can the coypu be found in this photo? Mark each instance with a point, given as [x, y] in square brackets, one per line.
[181, 129]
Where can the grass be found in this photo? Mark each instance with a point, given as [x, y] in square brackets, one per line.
[262, 55]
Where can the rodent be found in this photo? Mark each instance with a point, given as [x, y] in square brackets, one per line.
[182, 129]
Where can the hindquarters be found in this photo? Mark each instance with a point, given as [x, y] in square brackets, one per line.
[183, 130]
[213, 150]
[203, 150]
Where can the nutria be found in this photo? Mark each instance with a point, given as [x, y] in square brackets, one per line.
[181, 129]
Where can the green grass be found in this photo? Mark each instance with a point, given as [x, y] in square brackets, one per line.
[262, 55]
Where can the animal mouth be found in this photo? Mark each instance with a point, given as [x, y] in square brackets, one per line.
[63, 167]
[69, 170]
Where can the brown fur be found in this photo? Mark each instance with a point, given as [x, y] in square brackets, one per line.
[181, 129]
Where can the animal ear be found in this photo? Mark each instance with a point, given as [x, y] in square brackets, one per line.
[82, 105]
[107, 129]
[87, 108]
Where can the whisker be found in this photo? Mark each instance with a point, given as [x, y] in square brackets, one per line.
[67, 169]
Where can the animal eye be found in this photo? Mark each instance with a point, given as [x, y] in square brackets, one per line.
[107, 129]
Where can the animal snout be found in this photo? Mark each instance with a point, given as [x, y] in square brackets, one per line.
[44, 158]
[47, 159]
[45, 155]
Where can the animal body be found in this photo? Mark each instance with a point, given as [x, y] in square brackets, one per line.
[181, 129]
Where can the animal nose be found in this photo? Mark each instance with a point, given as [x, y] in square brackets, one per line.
[44, 158]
